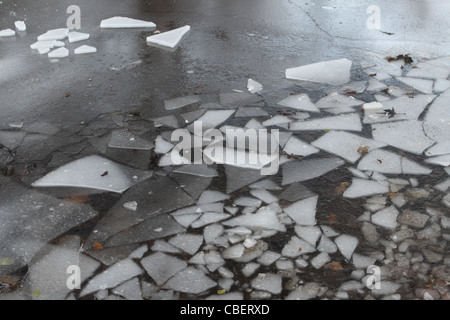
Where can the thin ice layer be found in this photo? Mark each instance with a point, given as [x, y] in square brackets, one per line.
[299, 102]
[170, 38]
[123, 22]
[334, 72]
[55, 34]
[363, 188]
[337, 103]
[297, 171]
[350, 122]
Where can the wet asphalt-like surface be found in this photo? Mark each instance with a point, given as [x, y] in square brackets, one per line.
[65, 102]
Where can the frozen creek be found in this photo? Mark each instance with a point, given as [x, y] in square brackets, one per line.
[356, 187]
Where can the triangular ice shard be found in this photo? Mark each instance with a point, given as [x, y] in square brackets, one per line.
[55, 34]
[123, 22]
[92, 172]
[425, 86]
[85, 49]
[170, 38]
[333, 72]
[299, 102]
[297, 171]
[254, 86]
[350, 122]
[363, 188]
[75, 36]
[337, 103]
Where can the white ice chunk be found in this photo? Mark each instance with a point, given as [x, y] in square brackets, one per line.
[338, 103]
[263, 219]
[170, 38]
[443, 160]
[433, 69]
[295, 146]
[211, 196]
[439, 149]
[276, 120]
[320, 260]
[59, 53]
[118, 273]
[299, 102]
[48, 44]
[375, 85]
[254, 86]
[372, 108]
[180, 102]
[162, 146]
[386, 218]
[441, 85]
[161, 267]
[363, 188]
[189, 243]
[130, 290]
[350, 122]
[297, 171]
[333, 72]
[437, 120]
[346, 245]
[200, 170]
[263, 195]
[346, 145]
[123, 22]
[55, 34]
[92, 172]
[303, 212]
[20, 26]
[326, 245]
[425, 86]
[75, 36]
[309, 233]
[123, 139]
[190, 280]
[132, 205]
[296, 247]
[208, 218]
[85, 49]
[268, 282]
[404, 135]
[7, 33]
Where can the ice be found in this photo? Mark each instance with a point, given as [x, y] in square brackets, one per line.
[212, 232]
[320, 260]
[130, 290]
[276, 120]
[190, 280]
[363, 188]
[299, 102]
[20, 26]
[244, 112]
[7, 33]
[208, 218]
[298, 171]
[326, 245]
[180, 102]
[42, 46]
[333, 72]
[305, 292]
[425, 86]
[372, 108]
[254, 86]
[346, 245]
[308, 233]
[123, 22]
[350, 122]
[362, 262]
[441, 85]
[118, 273]
[433, 69]
[303, 212]
[75, 36]
[296, 247]
[93, 172]
[169, 121]
[437, 120]
[201, 170]
[123, 139]
[59, 53]
[162, 146]
[85, 49]
[263, 219]
[263, 195]
[189, 243]
[269, 282]
[404, 135]
[443, 160]
[247, 202]
[346, 145]
[383, 161]
[210, 196]
[161, 267]
[212, 118]
[413, 219]
[187, 219]
[55, 34]
[170, 38]
[265, 184]
[192, 184]
[295, 146]
[375, 85]
[268, 258]
[438, 149]
[296, 191]
[337, 103]
[11, 139]
[386, 218]
[110, 256]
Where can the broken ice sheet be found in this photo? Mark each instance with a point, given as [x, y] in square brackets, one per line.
[425, 86]
[180, 102]
[211, 119]
[75, 36]
[254, 86]
[190, 280]
[346, 245]
[170, 38]
[404, 135]
[7, 33]
[386, 218]
[295, 146]
[297, 171]
[124, 22]
[55, 34]
[432, 69]
[211, 196]
[265, 218]
[303, 212]
[337, 103]
[349, 122]
[85, 49]
[334, 72]
[124, 139]
[161, 267]
[443, 160]
[201, 170]
[437, 120]
[93, 172]
[20, 26]
[346, 145]
[58, 53]
[363, 188]
[299, 102]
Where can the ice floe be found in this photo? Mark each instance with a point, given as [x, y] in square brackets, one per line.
[332, 72]
[169, 38]
[337, 103]
[59, 53]
[124, 139]
[350, 122]
[346, 245]
[254, 86]
[85, 49]
[303, 212]
[363, 188]
[299, 102]
[20, 26]
[75, 36]
[7, 33]
[425, 86]
[124, 22]
[298, 171]
[55, 34]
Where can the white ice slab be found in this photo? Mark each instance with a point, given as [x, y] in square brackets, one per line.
[123, 22]
[346, 145]
[437, 120]
[254, 86]
[59, 53]
[299, 102]
[264, 219]
[320, 260]
[375, 85]
[190, 280]
[309, 233]
[295, 146]
[123, 139]
[276, 120]
[92, 172]
[441, 85]
[349, 122]
[332, 72]
[433, 69]
[189, 243]
[55, 34]
[170, 38]
[303, 212]
[439, 149]
[7, 33]
[297, 171]
[443, 160]
[75, 36]
[162, 146]
[386, 218]
[326, 245]
[346, 245]
[20, 26]
[180, 102]
[363, 188]
[85, 49]
[263, 195]
[161, 267]
[404, 135]
[297, 247]
[130, 290]
[425, 86]
[338, 103]
[211, 196]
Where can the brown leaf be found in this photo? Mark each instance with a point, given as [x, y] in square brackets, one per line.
[332, 219]
[335, 266]
[105, 174]
[67, 94]
[84, 198]
[363, 150]
[392, 194]
[97, 246]
[342, 187]
[350, 91]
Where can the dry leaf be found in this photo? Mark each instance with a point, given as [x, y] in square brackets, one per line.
[97, 246]
[363, 150]
[79, 199]
[392, 194]
[342, 187]
[332, 219]
[335, 266]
